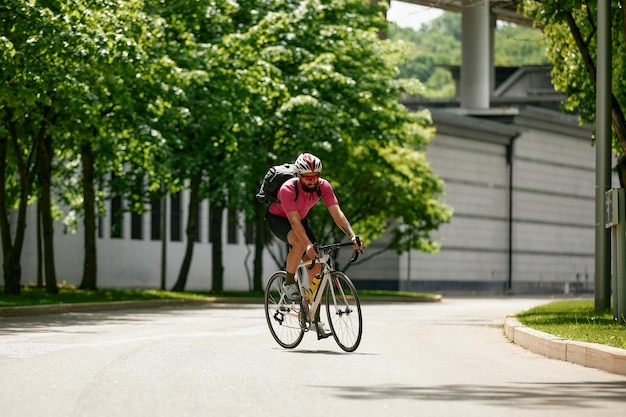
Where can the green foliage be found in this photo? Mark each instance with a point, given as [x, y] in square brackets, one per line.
[166, 92]
[328, 101]
[519, 46]
[83, 64]
[571, 29]
[437, 45]
[34, 296]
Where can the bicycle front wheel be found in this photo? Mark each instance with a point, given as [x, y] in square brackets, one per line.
[282, 315]
[344, 311]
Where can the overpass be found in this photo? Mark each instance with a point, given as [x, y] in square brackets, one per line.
[477, 80]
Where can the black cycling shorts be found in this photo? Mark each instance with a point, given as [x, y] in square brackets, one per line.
[280, 227]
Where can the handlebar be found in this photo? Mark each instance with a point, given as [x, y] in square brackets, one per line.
[334, 246]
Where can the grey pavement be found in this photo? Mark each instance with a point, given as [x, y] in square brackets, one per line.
[445, 359]
[590, 355]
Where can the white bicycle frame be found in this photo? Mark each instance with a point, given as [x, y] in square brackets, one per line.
[310, 306]
[289, 320]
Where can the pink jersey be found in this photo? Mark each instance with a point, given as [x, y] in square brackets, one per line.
[305, 201]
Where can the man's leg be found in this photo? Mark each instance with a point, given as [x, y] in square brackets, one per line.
[293, 260]
[293, 257]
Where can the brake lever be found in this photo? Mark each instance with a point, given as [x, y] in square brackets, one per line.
[316, 247]
[355, 255]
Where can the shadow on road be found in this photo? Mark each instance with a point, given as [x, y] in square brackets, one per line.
[56, 322]
[329, 352]
[523, 395]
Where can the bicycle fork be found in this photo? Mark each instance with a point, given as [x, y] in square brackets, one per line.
[339, 298]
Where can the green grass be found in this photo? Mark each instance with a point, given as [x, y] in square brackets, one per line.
[33, 296]
[576, 320]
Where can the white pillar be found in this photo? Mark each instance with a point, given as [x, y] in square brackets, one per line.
[476, 52]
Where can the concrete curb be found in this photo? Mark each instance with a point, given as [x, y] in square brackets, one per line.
[112, 305]
[590, 355]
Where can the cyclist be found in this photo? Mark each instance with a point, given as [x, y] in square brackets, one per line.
[287, 221]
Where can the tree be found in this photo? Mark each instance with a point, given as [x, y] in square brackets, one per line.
[517, 46]
[570, 28]
[335, 93]
[95, 87]
[26, 106]
[205, 96]
[200, 127]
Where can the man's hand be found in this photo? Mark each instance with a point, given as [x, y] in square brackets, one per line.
[311, 252]
[357, 242]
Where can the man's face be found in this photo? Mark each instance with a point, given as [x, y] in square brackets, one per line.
[309, 181]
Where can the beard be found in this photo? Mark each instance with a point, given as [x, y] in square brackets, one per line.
[309, 188]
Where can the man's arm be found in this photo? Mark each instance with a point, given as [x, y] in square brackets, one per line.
[342, 222]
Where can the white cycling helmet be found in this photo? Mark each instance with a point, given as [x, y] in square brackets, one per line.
[307, 163]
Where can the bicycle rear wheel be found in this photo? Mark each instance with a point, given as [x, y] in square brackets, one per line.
[282, 315]
[344, 311]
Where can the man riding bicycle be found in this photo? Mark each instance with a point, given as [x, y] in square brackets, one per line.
[287, 221]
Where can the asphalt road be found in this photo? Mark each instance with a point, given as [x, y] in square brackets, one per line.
[427, 359]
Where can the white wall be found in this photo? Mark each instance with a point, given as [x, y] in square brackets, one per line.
[553, 213]
[475, 175]
[129, 263]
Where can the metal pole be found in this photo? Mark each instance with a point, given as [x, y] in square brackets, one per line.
[603, 157]
[619, 290]
[163, 236]
[408, 271]
[510, 154]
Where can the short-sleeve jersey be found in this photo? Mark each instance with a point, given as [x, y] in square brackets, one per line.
[305, 201]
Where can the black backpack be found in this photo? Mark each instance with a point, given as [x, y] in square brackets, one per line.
[274, 178]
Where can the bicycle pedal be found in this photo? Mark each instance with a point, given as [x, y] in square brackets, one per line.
[321, 336]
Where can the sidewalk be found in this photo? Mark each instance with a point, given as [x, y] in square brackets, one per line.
[591, 355]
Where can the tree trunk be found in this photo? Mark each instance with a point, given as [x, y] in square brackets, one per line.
[39, 248]
[216, 219]
[260, 239]
[89, 281]
[12, 249]
[194, 189]
[618, 122]
[46, 208]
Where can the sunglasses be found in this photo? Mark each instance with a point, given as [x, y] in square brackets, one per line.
[310, 177]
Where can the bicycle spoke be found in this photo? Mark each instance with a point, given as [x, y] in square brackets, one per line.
[282, 315]
[344, 312]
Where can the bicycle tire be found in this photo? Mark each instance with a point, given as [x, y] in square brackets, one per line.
[282, 315]
[344, 311]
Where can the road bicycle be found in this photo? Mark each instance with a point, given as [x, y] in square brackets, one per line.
[289, 320]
